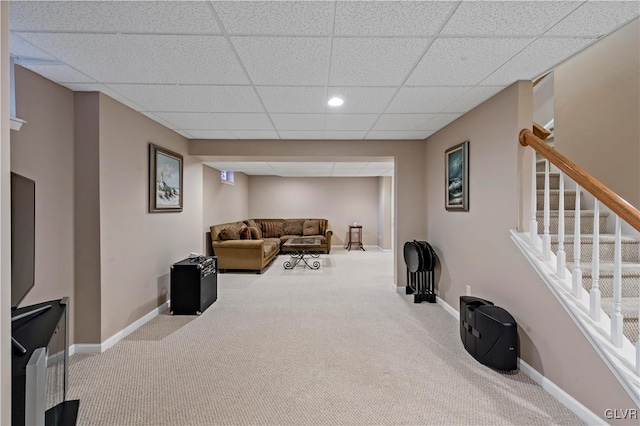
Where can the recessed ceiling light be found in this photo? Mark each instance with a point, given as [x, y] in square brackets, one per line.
[335, 102]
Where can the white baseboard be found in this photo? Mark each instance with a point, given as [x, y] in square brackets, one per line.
[399, 288]
[96, 348]
[554, 390]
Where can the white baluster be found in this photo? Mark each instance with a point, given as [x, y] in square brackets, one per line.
[594, 294]
[533, 223]
[577, 272]
[638, 345]
[616, 316]
[546, 238]
[561, 257]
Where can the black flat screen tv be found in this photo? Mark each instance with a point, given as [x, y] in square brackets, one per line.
[23, 237]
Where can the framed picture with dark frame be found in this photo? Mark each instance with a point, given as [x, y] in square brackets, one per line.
[457, 177]
[165, 180]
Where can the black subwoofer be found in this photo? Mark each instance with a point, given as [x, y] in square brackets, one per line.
[489, 333]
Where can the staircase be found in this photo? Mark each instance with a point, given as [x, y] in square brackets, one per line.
[629, 254]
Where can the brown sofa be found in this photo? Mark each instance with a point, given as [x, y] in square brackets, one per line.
[237, 252]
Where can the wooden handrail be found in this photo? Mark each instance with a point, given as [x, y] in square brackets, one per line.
[540, 131]
[606, 196]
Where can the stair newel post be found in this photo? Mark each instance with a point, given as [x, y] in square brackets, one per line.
[533, 223]
[561, 262]
[576, 284]
[546, 238]
[594, 294]
[616, 316]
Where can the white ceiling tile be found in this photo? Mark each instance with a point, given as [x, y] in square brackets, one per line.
[318, 165]
[370, 173]
[285, 165]
[389, 173]
[596, 18]
[217, 121]
[317, 173]
[55, 16]
[183, 133]
[425, 99]
[293, 99]
[537, 58]
[20, 47]
[464, 61]
[507, 17]
[378, 165]
[350, 165]
[192, 59]
[96, 87]
[60, 73]
[233, 134]
[402, 121]
[441, 120]
[390, 18]
[186, 17]
[362, 99]
[190, 98]
[298, 121]
[398, 134]
[284, 60]
[349, 121]
[290, 172]
[373, 61]
[345, 172]
[292, 135]
[261, 17]
[118, 60]
[473, 98]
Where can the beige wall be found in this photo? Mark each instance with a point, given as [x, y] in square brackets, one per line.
[597, 110]
[223, 202]
[43, 151]
[384, 212]
[87, 260]
[138, 247]
[474, 248]
[342, 201]
[5, 221]
[409, 208]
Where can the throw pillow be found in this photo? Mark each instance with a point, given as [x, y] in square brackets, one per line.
[255, 233]
[293, 227]
[311, 227]
[252, 224]
[230, 233]
[271, 229]
[245, 233]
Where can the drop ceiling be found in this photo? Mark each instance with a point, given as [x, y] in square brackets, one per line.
[265, 70]
[307, 169]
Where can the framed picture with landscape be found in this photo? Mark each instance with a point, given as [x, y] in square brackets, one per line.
[457, 177]
[165, 180]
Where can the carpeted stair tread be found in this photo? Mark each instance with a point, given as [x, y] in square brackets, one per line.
[572, 213]
[586, 221]
[604, 238]
[554, 197]
[554, 181]
[606, 268]
[628, 306]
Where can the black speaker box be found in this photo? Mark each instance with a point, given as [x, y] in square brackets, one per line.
[194, 285]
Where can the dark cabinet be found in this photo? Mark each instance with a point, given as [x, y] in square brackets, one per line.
[194, 285]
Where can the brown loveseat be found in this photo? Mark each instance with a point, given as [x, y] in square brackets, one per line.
[252, 244]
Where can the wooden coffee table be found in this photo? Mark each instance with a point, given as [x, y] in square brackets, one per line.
[303, 247]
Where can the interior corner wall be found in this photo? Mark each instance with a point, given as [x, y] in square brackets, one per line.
[340, 200]
[597, 111]
[474, 248]
[223, 202]
[43, 151]
[384, 212]
[137, 248]
[87, 265]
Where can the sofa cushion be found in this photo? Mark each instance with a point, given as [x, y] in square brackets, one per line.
[245, 233]
[255, 233]
[292, 227]
[271, 229]
[231, 232]
[252, 224]
[269, 246]
[311, 227]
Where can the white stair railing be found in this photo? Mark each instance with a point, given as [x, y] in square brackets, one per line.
[546, 238]
[533, 223]
[561, 256]
[594, 294]
[616, 316]
[576, 274]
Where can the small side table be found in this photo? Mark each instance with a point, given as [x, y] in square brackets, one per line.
[355, 237]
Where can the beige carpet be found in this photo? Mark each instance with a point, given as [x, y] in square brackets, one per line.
[334, 346]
